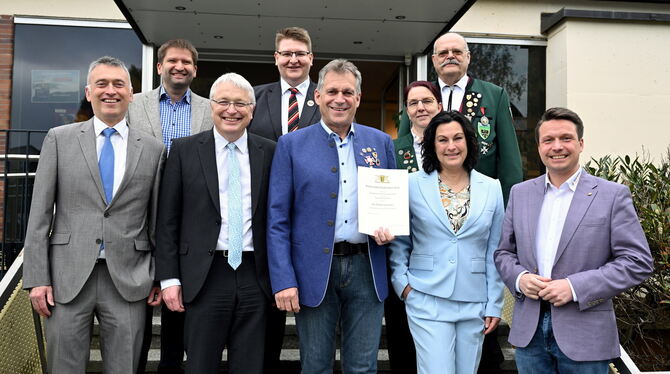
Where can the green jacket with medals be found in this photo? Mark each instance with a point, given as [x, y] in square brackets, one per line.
[488, 107]
[405, 156]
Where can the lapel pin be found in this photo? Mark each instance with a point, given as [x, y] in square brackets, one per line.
[589, 194]
[310, 102]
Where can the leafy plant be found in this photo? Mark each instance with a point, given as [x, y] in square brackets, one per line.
[643, 312]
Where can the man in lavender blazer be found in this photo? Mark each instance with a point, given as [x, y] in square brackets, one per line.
[570, 243]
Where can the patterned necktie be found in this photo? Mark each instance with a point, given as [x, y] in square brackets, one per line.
[106, 164]
[234, 209]
[293, 112]
[451, 94]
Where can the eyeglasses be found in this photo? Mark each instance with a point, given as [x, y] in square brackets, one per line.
[225, 104]
[289, 54]
[426, 102]
[456, 52]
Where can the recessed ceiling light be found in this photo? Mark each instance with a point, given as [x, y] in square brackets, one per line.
[400, 17]
[180, 7]
[358, 42]
[218, 36]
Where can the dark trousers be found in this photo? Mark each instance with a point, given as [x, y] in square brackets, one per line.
[230, 311]
[274, 340]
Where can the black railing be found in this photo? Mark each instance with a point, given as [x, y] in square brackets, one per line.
[20, 154]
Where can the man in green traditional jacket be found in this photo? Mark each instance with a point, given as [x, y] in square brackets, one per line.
[487, 106]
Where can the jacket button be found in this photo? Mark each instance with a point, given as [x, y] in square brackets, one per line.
[211, 252]
[326, 250]
[334, 169]
[331, 144]
[98, 241]
[331, 223]
[106, 214]
[333, 195]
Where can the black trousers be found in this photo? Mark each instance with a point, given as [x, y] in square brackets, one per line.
[230, 311]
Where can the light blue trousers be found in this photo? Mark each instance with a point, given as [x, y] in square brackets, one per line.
[448, 334]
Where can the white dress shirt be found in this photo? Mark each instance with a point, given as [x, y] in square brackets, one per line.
[119, 141]
[417, 148]
[300, 96]
[457, 97]
[554, 211]
[242, 152]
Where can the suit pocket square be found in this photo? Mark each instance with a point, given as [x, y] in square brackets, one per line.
[59, 238]
[142, 245]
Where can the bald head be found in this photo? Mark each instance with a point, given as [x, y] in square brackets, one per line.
[451, 57]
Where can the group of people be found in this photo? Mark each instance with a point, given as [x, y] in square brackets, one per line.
[232, 211]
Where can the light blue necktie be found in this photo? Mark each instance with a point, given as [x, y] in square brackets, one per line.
[106, 164]
[234, 209]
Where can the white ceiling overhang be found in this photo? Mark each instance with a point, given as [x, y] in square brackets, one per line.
[385, 30]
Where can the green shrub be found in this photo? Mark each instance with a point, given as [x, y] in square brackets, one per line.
[643, 312]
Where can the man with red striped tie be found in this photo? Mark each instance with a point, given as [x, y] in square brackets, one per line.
[287, 105]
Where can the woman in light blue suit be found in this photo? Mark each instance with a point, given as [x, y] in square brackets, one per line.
[444, 269]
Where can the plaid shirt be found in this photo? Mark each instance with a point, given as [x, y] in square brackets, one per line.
[175, 118]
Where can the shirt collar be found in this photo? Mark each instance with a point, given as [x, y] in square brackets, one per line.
[331, 133]
[417, 138]
[571, 182]
[462, 83]
[220, 142]
[121, 127]
[302, 87]
[163, 95]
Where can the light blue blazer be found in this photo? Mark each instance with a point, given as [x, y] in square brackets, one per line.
[455, 266]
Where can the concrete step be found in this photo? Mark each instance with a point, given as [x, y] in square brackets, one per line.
[290, 355]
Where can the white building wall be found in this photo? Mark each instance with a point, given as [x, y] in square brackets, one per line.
[92, 9]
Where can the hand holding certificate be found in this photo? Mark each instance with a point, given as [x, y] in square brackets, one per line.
[383, 200]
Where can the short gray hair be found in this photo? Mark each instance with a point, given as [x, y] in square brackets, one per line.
[237, 81]
[340, 66]
[109, 61]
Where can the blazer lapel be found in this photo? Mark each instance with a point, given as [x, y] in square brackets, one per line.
[207, 155]
[477, 190]
[581, 201]
[88, 148]
[133, 155]
[430, 190]
[256, 157]
[274, 106]
[534, 206]
[308, 111]
[152, 107]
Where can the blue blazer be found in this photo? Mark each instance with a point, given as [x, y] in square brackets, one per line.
[302, 203]
[455, 266]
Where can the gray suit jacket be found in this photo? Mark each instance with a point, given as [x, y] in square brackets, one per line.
[602, 251]
[69, 216]
[144, 114]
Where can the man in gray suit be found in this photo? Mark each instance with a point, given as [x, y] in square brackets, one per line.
[169, 112]
[91, 229]
[570, 243]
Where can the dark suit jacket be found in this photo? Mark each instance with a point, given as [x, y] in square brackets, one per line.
[189, 214]
[267, 115]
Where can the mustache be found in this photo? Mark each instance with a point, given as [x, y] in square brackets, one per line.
[450, 61]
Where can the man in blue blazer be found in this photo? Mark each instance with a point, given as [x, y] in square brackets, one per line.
[570, 243]
[320, 266]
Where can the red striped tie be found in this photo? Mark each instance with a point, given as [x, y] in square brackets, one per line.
[293, 112]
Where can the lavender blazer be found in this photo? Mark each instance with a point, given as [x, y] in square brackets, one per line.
[602, 251]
